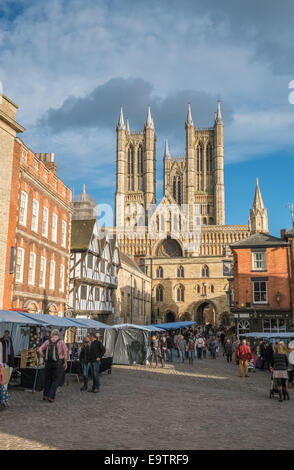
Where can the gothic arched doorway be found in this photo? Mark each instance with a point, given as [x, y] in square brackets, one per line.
[170, 317]
[205, 313]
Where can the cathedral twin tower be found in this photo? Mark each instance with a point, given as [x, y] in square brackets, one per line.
[196, 178]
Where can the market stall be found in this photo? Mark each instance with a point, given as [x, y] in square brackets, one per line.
[128, 343]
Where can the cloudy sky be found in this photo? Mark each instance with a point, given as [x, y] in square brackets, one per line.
[71, 64]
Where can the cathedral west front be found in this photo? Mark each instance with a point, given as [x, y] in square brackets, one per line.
[182, 243]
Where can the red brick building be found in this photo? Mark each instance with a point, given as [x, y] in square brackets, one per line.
[37, 239]
[262, 291]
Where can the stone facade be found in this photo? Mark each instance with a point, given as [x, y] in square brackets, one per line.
[133, 295]
[196, 180]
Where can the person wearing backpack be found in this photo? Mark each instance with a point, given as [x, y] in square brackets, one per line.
[55, 355]
[96, 352]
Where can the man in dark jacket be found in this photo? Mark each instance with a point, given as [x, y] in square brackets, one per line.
[96, 352]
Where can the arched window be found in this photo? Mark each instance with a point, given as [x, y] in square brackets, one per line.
[159, 293]
[198, 289]
[180, 294]
[178, 189]
[140, 160]
[131, 161]
[212, 289]
[199, 154]
[209, 158]
[180, 272]
[204, 221]
[131, 169]
[159, 273]
[205, 271]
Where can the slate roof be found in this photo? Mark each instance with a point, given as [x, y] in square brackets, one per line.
[81, 234]
[130, 262]
[259, 240]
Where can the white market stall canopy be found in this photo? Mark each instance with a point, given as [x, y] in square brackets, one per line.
[41, 319]
[11, 316]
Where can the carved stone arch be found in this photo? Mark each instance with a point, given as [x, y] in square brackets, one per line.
[31, 306]
[52, 309]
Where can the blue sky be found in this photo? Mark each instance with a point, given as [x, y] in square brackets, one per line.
[69, 65]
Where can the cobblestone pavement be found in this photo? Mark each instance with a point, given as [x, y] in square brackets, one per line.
[200, 406]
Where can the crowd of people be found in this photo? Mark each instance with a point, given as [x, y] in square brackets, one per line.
[207, 341]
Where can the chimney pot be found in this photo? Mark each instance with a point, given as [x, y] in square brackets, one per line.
[52, 157]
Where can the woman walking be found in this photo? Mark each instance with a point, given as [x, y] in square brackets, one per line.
[84, 360]
[279, 370]
[190, 349]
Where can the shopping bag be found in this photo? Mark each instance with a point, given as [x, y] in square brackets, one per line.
[5, 375]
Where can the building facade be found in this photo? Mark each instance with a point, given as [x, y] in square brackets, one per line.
[38, 205]
[262, 289]
[94, 265]
[133, 296]
[189, 234]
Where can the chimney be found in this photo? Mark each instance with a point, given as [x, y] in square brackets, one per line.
[50, 163]
[283, 234]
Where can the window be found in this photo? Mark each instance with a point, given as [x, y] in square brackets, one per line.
[61, 278]
[209, 158]
[140, 160]
[83, 292]
[19, 265]
[54, 227]
[274, 325]
[63, 234]
[260, 292]
[180, 272]
[45, 222]
[212, 289]
[198, 289]
[42, 272]
[205, 271]
[97, 293]
[180, 294]
[159, 273]
[90, 261]
[258, 261]
[159, 294]
[35, 215]
[32, 269]
[23, 208]
[52, 275]
[102, 266]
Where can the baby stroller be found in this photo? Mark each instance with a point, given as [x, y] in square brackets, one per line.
[273, 388]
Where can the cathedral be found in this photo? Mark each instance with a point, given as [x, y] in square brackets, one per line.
[182, 243]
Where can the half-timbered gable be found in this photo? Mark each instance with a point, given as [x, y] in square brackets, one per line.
[93, 271]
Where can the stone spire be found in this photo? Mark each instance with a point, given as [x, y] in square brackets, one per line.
[219, 113]
[189, 121]
[149, 120]
[84, 196]
[166, 150]
[121, 124]
[128, 127]
[258, 220]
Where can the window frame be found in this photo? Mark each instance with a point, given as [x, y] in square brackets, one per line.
[33, 280]
[45, 232]
[264, 302]
[23, 211]
[43, 283]
[52, 275]
[54, 227]
[35, 217]
[19, 273]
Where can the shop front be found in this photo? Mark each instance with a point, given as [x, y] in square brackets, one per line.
[262, 321]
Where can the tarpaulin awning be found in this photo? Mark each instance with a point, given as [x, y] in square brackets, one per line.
[139, 327]
[11, 316]
[89, 323]
[174, 325]
[52, 320]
